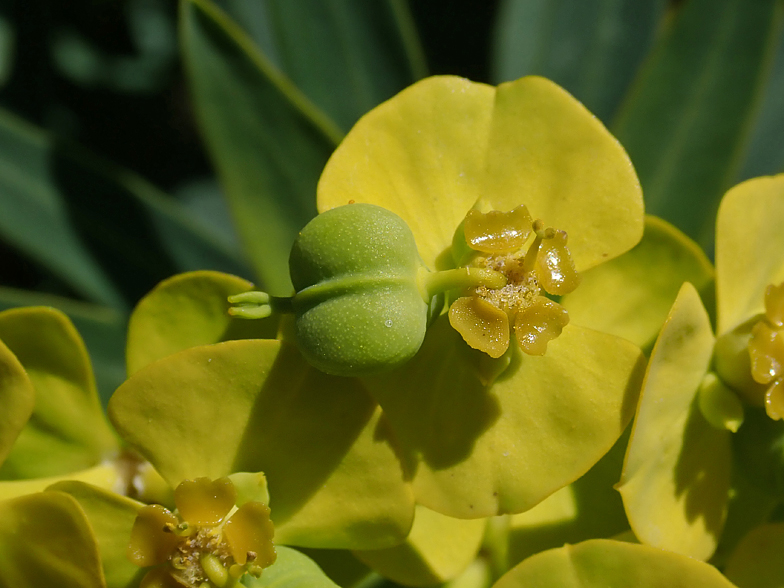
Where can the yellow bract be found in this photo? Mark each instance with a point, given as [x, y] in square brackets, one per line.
[490, 436]
[433, 150]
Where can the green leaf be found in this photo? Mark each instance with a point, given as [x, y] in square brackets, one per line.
[17, 397]
[676, 475]
[602, 563]
[101, 327]
[765, 153]
[45, 540]
[757, 562]
[111, 517]
[292, 569]
[103, 230]
[268, 142]
[592, 48]
[631, 295]
[686, 118]
[438, 549]
[482, 449]
[188, 310]
[67, 430]
[256, 405]
[347, 56]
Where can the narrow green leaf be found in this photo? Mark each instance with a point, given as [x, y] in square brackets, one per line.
[292, 569]
[686, 120]
[268, 142]
[765, 154]
[590, 47]
[103, 230]
[347, 56]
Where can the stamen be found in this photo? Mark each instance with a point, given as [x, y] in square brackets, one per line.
[533, 250]
[214, 570]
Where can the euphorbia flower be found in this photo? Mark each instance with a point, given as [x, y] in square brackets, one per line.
[483, 317]
[677, 472]
[485, 436]
[208, 543]
[766, 348]
[464, 434]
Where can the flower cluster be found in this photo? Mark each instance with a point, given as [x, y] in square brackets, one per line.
[208, 543]
[766, 348]
[483, 317]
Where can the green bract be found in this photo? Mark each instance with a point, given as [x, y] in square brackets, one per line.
[358, 305]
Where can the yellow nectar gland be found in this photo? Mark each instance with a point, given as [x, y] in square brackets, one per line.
[483, 317]
[207, 543]
[766, 349]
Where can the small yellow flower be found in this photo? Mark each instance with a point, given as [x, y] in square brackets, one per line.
[207, 543]
[766, 349]
[483, 317]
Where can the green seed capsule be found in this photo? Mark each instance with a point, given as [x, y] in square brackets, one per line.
[358, 306]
